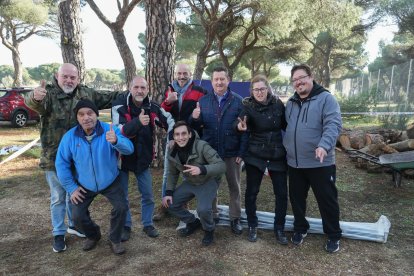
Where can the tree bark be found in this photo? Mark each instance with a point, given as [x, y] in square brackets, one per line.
[18, 67]
[126, 54]
[160, 53]
[71, 35]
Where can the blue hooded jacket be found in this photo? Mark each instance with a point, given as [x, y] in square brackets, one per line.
[95, 162]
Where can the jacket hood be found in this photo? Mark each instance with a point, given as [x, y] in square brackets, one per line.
[316, 90]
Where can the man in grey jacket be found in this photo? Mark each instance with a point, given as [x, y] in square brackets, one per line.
[314, 123]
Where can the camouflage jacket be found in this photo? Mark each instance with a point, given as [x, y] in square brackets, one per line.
[57, 116]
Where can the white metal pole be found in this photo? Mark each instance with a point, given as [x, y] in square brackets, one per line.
[409, 79]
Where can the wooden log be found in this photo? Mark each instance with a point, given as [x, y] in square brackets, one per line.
[410, 131]
[357, 139]
[344, 141]
[404, 145]
[373, 139]
[404, 136]
[378, 149]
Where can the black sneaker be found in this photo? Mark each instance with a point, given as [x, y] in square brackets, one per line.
[73, 231]
[126, 234]
[252, 235]
[150, 231]
[190, 228]
[208, 238]
[281, 237]
[332, 246]
[297, 238]
[59, 244]
[236, 227]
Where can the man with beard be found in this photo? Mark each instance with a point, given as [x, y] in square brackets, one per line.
[314, 123]
[137, 117]
[181, 98]
[55, 102]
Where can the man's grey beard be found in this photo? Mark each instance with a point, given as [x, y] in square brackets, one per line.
[68, 89]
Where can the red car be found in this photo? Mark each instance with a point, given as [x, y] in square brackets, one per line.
[13, 108]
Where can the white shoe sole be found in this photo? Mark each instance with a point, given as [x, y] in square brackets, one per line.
[57, 251]
[74, 232]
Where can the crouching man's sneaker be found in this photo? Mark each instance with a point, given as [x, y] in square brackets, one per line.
[332, 246]
[59, 244]
[297, 238]
[73, 231]
[190, 228]
[208, 238]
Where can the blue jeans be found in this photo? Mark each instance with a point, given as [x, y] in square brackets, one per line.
[59, 204]
[144, 183]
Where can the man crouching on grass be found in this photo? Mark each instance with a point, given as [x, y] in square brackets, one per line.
[86, 165]
[201, 167]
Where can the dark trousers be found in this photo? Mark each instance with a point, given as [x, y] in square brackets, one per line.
[253, 180]
[82, 219]
[204, 193]
[322, 181]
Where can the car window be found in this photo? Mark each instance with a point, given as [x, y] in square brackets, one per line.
[3, 93]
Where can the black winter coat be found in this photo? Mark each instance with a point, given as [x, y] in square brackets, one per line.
[265, 122]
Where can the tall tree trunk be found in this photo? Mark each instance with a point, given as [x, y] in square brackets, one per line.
[71, 35]
[125, 52]
[160, 52]
[326, 77]
[18, 67]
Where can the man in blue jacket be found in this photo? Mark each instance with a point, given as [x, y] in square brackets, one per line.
[314, 123]
[86, 165]
[215, 114]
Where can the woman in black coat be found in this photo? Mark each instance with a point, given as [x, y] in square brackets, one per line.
[263, 117]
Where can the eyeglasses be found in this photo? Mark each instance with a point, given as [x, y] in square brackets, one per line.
[257, 90]
[300, 78]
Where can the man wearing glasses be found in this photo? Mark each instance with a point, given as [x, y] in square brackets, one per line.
[314, 123]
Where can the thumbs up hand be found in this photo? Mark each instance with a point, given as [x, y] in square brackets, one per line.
[144, 119]
[242, 125]
[40, 92]
[111, 136]
[197, 111]
[172, 97]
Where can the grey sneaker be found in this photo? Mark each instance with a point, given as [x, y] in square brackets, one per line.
[332, 246]
[151, 231]
[297, 238]
[59, 244]
[117, 248]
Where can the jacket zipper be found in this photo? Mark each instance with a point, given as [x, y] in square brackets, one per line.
[93, 166]
[296, 127]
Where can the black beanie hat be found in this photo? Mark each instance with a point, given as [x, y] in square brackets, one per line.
[85, 103]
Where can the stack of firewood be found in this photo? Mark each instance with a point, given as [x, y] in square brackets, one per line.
[377, 142]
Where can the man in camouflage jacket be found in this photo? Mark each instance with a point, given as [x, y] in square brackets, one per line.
[55, 103]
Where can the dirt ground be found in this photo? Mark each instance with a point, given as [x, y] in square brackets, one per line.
[26, 240]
